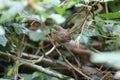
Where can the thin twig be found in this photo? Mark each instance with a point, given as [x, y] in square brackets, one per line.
[77, 70]
[46, 60]
[106, 7]
[79, 37]
[40, 58]
[73, 67]
[46, 71]
[84, 20]
[62, 3]
[39, 68]
[76, 78]
[19, 51]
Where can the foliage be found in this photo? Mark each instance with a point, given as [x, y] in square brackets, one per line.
[109, 58]
[25, 26]
[41, 76]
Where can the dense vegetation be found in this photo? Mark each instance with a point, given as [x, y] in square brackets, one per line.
[59, 39]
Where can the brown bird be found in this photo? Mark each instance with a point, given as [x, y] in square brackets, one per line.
[60, 35]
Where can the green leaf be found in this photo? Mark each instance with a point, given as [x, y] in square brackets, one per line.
[9, 73]
[108, 27]
[4, 79]
[3, 40]
[110, 15]
[59, 10]
[2, 31]
[11, 12]
[53, 78]
[41, 76]
[86, 1]
[37, 76]
[57, 18]
[105, 0]
[36, 1]
[39, 8]
[31, 17]
[18, 64]
[79, 5]
[52, 2]
[19, 29]
[69, 3]
[117, 75]
[26, 76]
[114, 6]
[109, 58]
[36, 36]
[116, 30]
[84, 40]
[117, 41]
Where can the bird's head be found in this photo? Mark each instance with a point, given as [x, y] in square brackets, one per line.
[57, 27]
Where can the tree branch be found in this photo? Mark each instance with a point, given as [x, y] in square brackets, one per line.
[39, 68]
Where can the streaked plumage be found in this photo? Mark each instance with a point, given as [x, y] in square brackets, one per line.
[60, 35]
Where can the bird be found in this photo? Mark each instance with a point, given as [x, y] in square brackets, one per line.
[60, 35]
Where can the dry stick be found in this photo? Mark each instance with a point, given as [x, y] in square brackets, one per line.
[79, 37]
[46, 60]
[80, 52]
[76, 78]
[73, 67]
[83, 20]
[80, 72]
[106, 8]
[19, 51]
[73, 55]
[100, 8]
[39, 59]
[99, 69]
[62, 3]
[46, 71]
[81, 24]
[78, 62]
[69, 62]
[39, 68]
[72, 17]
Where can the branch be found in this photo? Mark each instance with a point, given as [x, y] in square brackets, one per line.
[39, 68]
[73, 67]
[41, 57]
[47, 61]
[78, 51]
[46, 71]
[81, 51]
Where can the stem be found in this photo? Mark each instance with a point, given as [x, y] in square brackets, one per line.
[19, 51]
